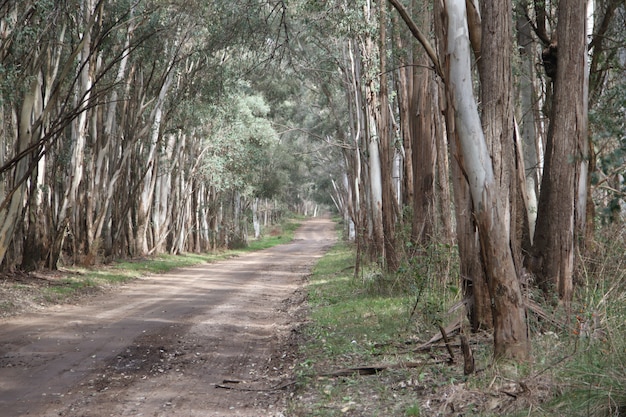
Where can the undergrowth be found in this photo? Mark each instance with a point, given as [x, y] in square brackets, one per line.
[357, 329]
[591, 377]
[379, 322]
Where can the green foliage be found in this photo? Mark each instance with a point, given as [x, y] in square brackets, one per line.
[239, 144]
[413, 411]
[608, 126]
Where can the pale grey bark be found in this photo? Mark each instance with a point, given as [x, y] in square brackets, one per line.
[149, 180]
[13, 197]
[68, 213]
[256, 221]
[490, 203]
[529, 125]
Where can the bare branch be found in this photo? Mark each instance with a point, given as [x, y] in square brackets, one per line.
[430, 51]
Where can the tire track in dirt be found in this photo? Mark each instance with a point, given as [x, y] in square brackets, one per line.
[161, 345]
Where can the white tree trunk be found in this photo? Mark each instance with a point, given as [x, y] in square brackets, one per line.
[12, 204]
[477, 161]
[149, 180]
[256, 222]
[529, 129]
[490, 208]
[162, 191]
[82, 96]
[376, 186]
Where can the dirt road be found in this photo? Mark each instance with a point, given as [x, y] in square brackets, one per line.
[212, 340]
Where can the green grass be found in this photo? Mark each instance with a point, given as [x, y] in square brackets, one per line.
[587, 360]
[353, 326]
[346, 317]
[413, 410]
[378, 318]
[69, 287]
[591, 381]
[286, 233]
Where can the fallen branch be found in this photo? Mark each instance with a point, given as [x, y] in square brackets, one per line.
[451, 328]
[278, 387]
[445, 339]
[373, 370]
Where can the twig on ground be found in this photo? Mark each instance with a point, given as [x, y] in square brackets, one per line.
[445, 339]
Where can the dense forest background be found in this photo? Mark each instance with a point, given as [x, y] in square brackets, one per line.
[133, 127]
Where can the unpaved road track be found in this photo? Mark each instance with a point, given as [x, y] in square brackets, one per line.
[211, 340]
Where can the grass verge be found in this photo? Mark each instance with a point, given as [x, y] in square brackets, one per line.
[359, 353]
[365, 351]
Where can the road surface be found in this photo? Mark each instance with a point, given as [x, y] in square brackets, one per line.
[211, 340]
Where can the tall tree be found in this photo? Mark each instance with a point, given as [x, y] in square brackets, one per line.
[422, 110]
[565, 155]
[488, 173]
[385, 131]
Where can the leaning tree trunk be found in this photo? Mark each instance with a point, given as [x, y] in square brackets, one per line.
[490, 206]
[70, 208]
[13, 202]
[471, 269]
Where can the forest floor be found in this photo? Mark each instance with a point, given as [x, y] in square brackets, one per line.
[211, 340]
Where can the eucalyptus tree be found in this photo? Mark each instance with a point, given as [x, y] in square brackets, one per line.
[351, 66]
[485, 154]
[488, 166]
[418, 108]
[61, 73]
[565, 217]
[106, 114]
[566, 155]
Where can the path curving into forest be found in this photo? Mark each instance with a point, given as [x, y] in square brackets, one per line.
[210, 340]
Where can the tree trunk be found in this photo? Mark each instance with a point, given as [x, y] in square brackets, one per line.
[565, 156]
[69, 213]
[424, 149]
[528, 128]
[444, 200]
[472, 273]
[149, 180]
[256, 221]
[404, 88]
[374, 174]
[13, 202]
[386, 149]
[490, 207]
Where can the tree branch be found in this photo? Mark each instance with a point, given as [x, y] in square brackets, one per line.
[430, 51]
